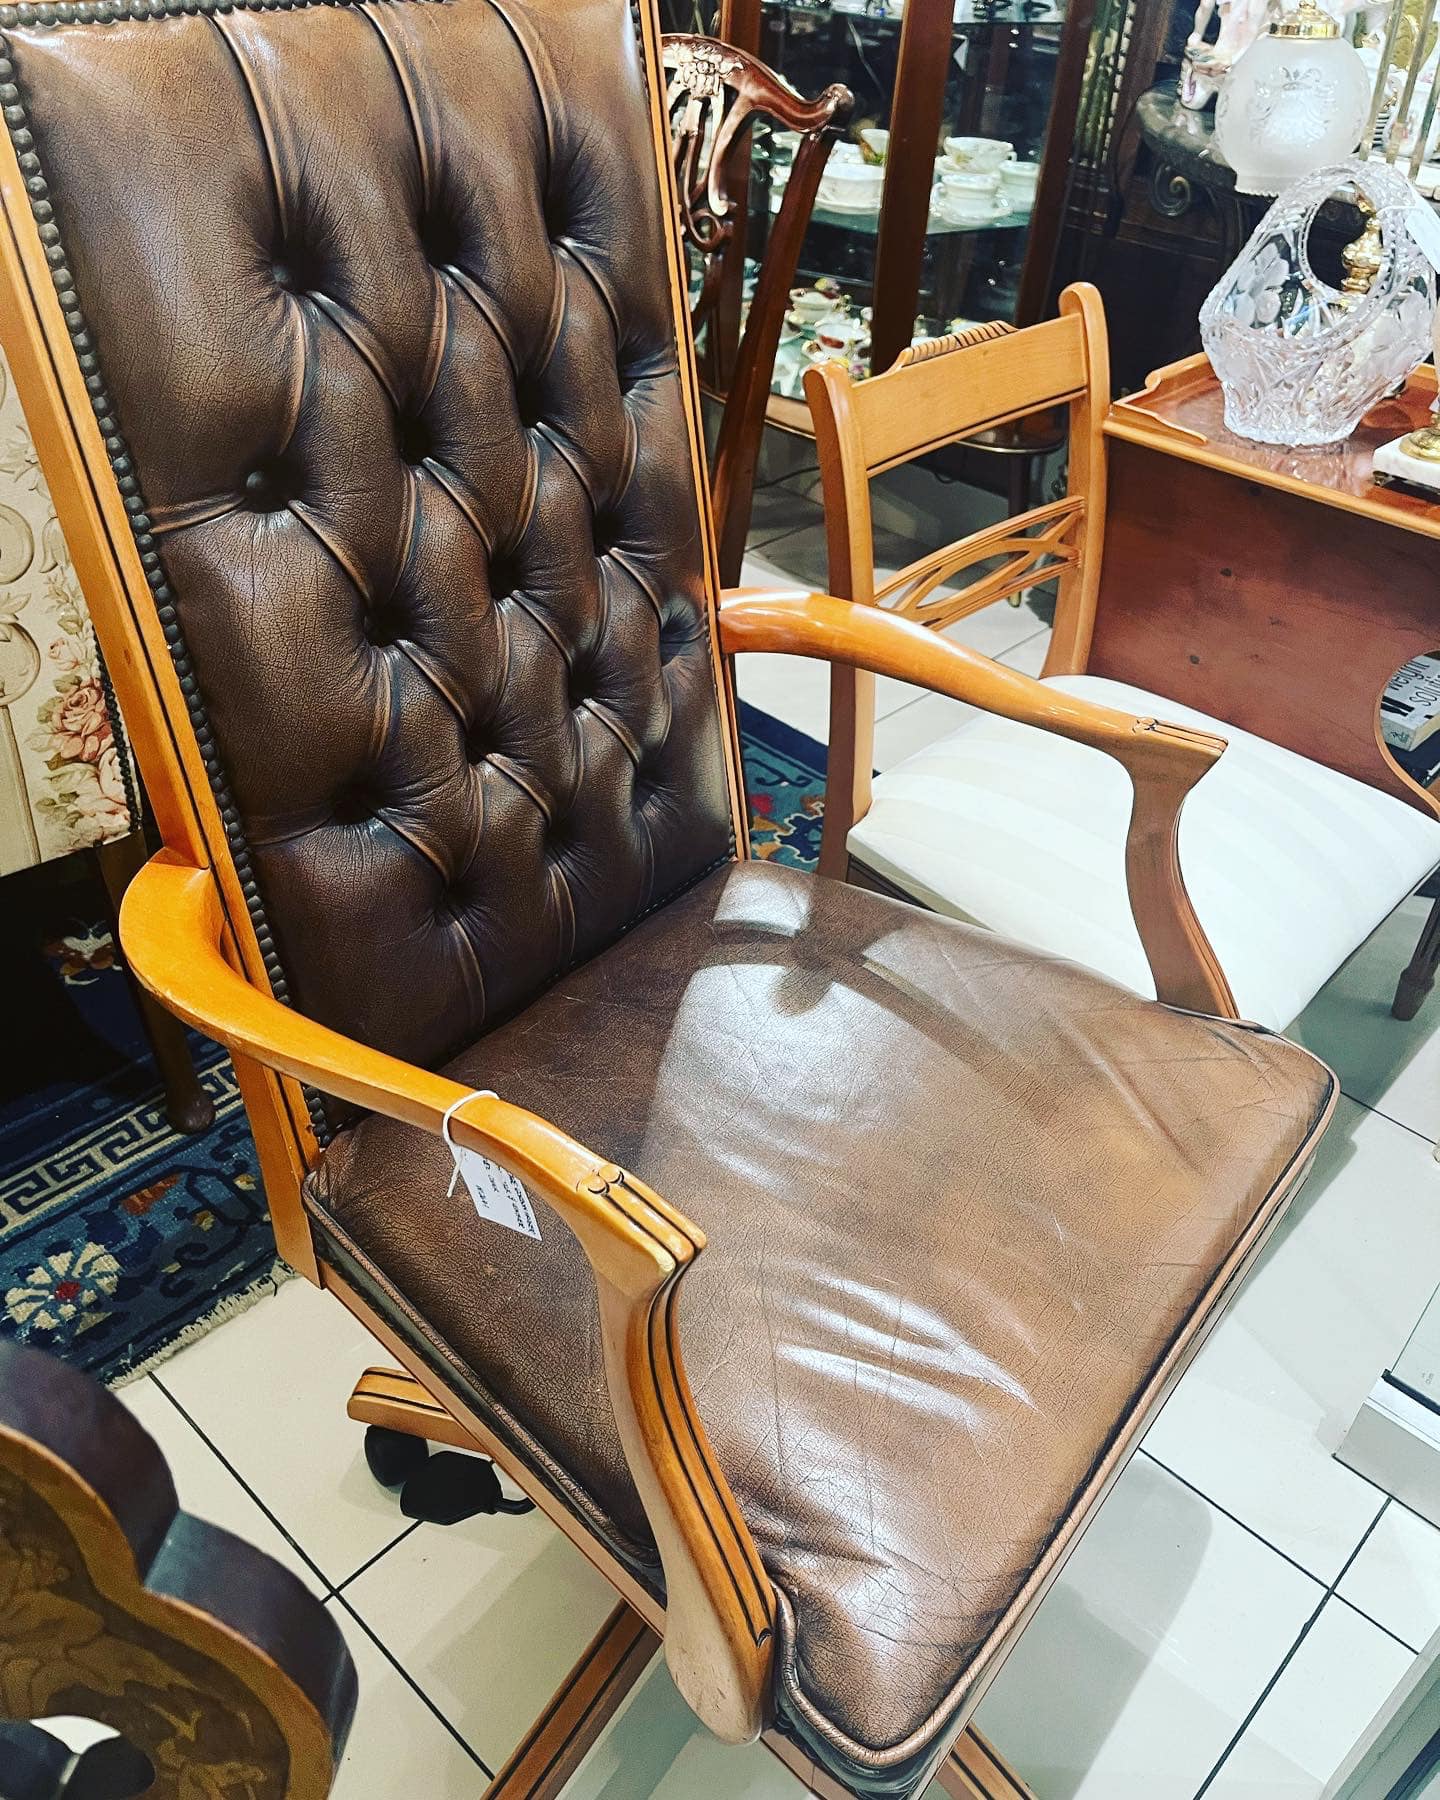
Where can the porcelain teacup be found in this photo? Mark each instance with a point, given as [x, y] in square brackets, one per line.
[977, 154]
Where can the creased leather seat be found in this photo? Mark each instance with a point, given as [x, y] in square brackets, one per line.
[906, 1384]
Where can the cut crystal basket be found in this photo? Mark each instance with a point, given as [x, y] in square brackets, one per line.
[1299, 361]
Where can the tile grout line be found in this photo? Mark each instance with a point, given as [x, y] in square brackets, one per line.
[1390, 1118]
[236, 1476]
[413, 1685]
[1292, 1652]
[1370, 1619]
[370, 1561]
[331, 1588]
[1250, 1530]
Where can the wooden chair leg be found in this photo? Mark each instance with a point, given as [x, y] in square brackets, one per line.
[975, 1770]
[187, 1106]
[1419, 977]
[582, 1707]
[395, 1401]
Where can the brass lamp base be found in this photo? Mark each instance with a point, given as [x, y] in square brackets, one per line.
[1413, 459]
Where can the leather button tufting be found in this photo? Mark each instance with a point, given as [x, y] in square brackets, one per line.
[439, 239]
[354, 805]
[270, 486]
[415, 440]
[527, 402]
[383, 624]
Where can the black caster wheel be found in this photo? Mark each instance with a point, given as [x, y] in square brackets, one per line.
[394, 1456]
[452, 1487]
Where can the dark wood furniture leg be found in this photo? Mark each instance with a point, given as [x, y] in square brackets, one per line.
[1419, 977]
[187, 1106]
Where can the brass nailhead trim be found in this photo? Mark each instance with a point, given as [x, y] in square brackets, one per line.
[107, 12]
[103, 12]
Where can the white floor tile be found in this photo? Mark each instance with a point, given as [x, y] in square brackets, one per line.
[1332, 1687]
[487, 1618]
[269, 1390]
[656, 1749]
[1391, 1065]
[1146, 1656]
[793, 689]
[1255, 1421]
[1029, 656]
[397, 1747]
[1396, 1576]
[206, 1487]
[999, 630]
[778, 509]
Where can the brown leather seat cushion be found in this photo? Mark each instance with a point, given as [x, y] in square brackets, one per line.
[966, 1207]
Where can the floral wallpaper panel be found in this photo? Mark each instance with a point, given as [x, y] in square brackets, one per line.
[62, 784]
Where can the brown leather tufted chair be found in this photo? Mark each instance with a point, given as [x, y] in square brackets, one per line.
[354, 340]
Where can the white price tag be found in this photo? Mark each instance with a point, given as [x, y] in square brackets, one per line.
[497, 1194]
[1423, 225]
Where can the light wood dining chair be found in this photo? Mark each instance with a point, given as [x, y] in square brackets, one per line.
[1290, 864]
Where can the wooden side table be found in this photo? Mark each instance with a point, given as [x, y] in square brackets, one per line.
[1282, 587]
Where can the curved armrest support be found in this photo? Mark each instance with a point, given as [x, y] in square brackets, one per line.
[1163, 761]
[720, 1604]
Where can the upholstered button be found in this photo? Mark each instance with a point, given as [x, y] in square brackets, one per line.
[354, 804]
[605, 532]
[415, 439]
[439, 238]
[673, 638]
[503, 576]
[383, 623]
[527, 402]
[271, 485]
[296, 268]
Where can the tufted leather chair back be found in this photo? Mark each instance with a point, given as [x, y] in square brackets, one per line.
[374, 306]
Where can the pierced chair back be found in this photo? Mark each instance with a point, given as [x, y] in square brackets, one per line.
[937, 393]
[715, 95]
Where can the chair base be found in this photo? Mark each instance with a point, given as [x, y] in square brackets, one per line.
[402, 1421]
[391, 1401]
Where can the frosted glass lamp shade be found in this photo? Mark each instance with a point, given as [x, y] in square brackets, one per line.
[1295, 102]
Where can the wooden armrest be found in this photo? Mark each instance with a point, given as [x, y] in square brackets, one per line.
[720, 1604]
[1163, 761]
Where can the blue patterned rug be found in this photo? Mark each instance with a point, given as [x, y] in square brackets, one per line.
[120, 1240]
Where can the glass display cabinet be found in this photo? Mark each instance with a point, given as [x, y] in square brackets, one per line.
[942, 206]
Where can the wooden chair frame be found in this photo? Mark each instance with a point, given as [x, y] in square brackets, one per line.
[938, 393]
[189, 936]
[945, 390]
[715, 88]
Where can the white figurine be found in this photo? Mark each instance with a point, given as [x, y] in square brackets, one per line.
[1205, 65]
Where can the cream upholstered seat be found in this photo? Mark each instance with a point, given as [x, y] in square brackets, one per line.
[1297, 841]
[1290, 865]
